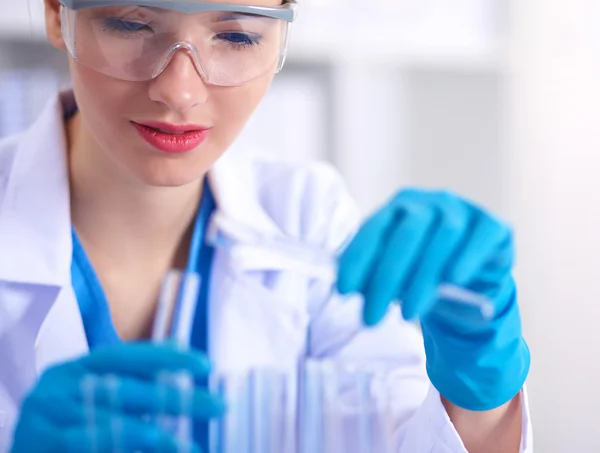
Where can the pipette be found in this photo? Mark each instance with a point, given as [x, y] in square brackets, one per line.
[225, 232]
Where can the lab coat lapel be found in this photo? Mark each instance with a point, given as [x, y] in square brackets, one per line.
[20, 320]
[62, 335]
[35, 239]
[236, 187]
[35, 211]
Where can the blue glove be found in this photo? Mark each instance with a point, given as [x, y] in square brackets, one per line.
[55, 419]
[419, 241]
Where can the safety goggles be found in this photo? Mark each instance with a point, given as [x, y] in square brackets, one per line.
[230, 44]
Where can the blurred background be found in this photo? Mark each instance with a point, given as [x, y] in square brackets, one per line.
[495, 99]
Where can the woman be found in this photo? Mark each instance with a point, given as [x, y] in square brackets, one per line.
[117, 183]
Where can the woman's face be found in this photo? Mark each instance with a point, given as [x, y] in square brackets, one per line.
[110, 109]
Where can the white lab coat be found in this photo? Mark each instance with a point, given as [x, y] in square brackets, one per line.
[260, 308]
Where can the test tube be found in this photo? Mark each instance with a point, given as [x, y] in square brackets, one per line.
[311, 409]
[91, 385]
[363, 412]
[88, 392]
[259, 417]
[111, 384]
[339, 408]
[332, 420]
[345, 408]
[268, 407]
[174, 322]
[231, 433]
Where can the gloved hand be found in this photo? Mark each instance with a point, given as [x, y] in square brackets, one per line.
[55, 419]
[419, 241]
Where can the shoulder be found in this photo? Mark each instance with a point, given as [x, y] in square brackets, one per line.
[314, 182]
[309, 200]
[25, 155]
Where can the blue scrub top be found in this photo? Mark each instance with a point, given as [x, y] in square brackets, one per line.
[95, 312]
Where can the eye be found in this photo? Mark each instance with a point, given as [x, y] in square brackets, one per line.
[122, 25]
[239, 38]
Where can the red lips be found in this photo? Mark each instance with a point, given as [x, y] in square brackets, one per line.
[171, 138]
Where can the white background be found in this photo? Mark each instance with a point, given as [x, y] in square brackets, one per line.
[495, 99]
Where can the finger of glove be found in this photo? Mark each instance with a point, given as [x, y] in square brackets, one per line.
[358, 258]
[35, 433]
[39, 406]
[502, 260]
[62, 383]
[163, 396]
[495, 270]
[109, 433]
[484, 239]
[145, 360]
[421, 291]
[402, 250]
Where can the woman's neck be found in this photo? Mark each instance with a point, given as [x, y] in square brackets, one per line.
[122, 217]
[132, 233]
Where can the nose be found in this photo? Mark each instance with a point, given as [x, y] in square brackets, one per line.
[179, 87]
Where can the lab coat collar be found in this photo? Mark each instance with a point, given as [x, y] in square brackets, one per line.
[237, 180]
[235, 184]
[35, 233]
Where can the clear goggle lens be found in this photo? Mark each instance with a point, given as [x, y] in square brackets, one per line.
[136, 43]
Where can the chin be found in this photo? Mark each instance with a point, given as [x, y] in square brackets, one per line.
[157, 170]
[163, 179]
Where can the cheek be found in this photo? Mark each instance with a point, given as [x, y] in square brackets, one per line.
[236, 104]
[101, 99]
